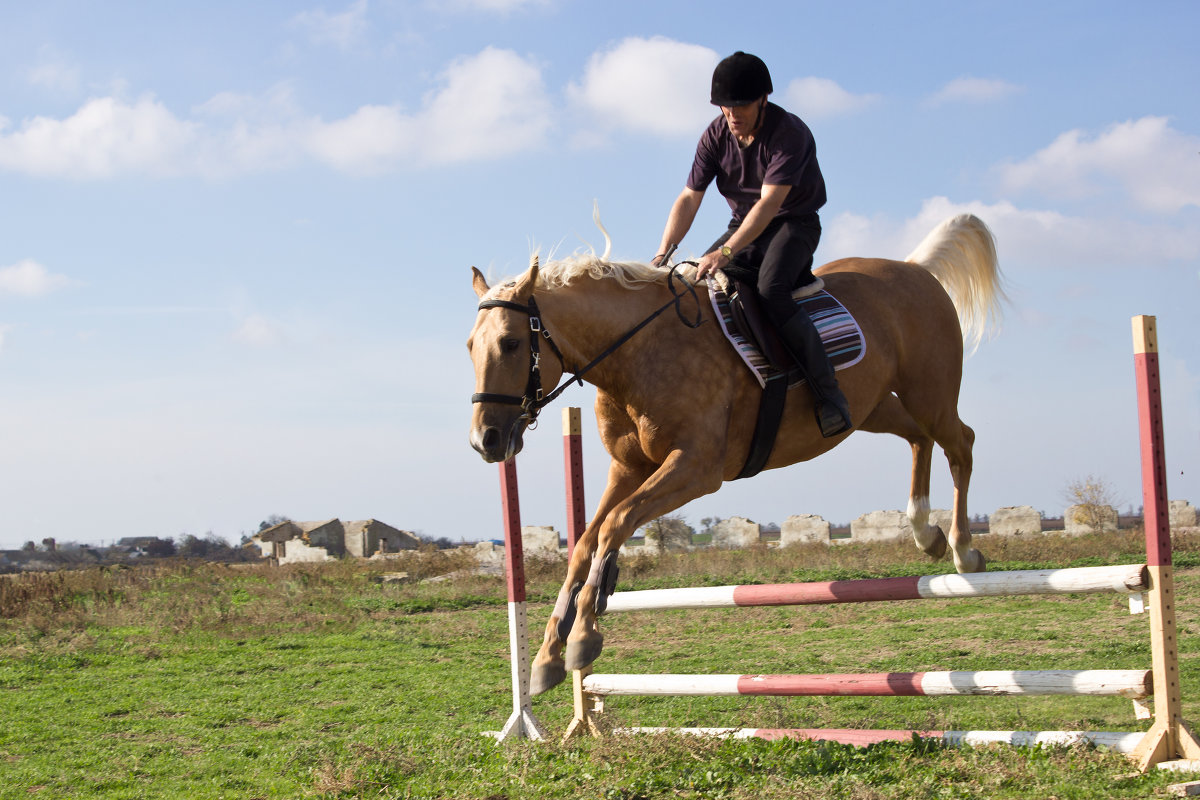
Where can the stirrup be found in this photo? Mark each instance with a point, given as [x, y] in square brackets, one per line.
[832, 419]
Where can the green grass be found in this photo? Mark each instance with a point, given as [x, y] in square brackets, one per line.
[207, 682]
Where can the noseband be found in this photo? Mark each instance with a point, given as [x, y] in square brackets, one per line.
[534, 399]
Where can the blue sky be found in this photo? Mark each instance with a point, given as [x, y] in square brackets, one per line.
[235, 238]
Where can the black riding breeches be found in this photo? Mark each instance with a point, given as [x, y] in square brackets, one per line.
[782, 257]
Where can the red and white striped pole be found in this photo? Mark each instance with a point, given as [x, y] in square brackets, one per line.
[1132, 683]
[1169, 738]
[1124, 578]
[522, 723]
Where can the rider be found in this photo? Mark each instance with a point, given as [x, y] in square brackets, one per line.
[764, 160]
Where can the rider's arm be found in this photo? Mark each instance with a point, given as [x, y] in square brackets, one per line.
[761, 214]
[679, 221]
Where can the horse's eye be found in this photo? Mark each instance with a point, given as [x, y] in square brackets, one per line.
[510, 345]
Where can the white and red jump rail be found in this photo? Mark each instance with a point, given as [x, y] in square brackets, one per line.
[1168, 739]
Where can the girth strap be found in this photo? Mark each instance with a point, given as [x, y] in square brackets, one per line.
[766, 427]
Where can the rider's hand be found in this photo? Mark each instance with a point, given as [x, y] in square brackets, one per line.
[710, 263]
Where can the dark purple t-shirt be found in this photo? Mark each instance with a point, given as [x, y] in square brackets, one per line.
[783, 153]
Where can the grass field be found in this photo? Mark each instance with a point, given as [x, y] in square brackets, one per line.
[203, 681]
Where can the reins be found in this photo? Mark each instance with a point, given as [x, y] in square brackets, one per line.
[534, 399]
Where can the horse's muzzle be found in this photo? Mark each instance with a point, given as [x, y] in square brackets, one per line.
[497, 444]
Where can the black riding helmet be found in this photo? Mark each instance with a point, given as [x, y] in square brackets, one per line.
[740, 79]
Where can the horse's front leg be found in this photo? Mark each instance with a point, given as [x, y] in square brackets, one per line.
[548, 669]
[679, 480]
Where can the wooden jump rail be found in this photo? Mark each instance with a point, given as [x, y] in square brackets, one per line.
[1117, 742]
[1129, 578]
[1135, 684]
[1168, 740]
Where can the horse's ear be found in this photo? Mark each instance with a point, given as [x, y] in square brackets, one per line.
[527, 282]
[478, 282]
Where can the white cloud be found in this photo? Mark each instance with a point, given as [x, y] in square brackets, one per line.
[275, 104]
[1025, 237]
[494, 6]
[1158, 166]
[973, 90]
[488, 105]
[28, 278]
[370, 137]
[655, 85]
[4, 329]
[258, 331]
[102, 139]
[492, 104]
[344, 30]
[822, 97]
[54, 73]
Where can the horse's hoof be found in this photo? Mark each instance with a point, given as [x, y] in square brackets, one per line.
[974, 562]
[937, 548]
[583, 651]
[544, 677]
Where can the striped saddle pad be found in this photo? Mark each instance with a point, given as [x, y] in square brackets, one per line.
[840, 333]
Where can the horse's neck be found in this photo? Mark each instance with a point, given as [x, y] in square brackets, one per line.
[587, 317]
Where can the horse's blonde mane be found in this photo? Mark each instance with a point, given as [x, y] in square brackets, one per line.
[629, 274]
[588, 264]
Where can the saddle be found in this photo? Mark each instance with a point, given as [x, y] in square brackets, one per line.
[753, 337]
[745, 324]
[750, 319]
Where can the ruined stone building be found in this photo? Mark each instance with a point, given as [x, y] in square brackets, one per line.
[290, 542]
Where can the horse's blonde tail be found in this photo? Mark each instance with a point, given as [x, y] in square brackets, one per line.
[961, 254]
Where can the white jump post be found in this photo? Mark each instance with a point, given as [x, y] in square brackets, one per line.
[1169, 738]
[522, 724]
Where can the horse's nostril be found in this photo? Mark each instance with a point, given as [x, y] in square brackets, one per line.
[491, 438]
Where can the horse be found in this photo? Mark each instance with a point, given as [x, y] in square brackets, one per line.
[676, 407]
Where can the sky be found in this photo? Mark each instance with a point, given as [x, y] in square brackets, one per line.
[235, 239]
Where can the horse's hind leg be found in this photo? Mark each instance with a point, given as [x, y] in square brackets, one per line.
[930, 538]
[890, 416]
[936, 413]
[958, 446]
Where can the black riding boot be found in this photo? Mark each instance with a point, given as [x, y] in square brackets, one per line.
[804, 342]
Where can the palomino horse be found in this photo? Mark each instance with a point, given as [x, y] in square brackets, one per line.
[676, 408]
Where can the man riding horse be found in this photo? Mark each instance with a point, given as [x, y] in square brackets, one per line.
[678, 417]
[764, 161]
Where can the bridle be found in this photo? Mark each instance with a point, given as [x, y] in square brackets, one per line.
[535, 398]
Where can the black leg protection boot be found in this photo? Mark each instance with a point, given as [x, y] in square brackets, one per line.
[804, 342]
